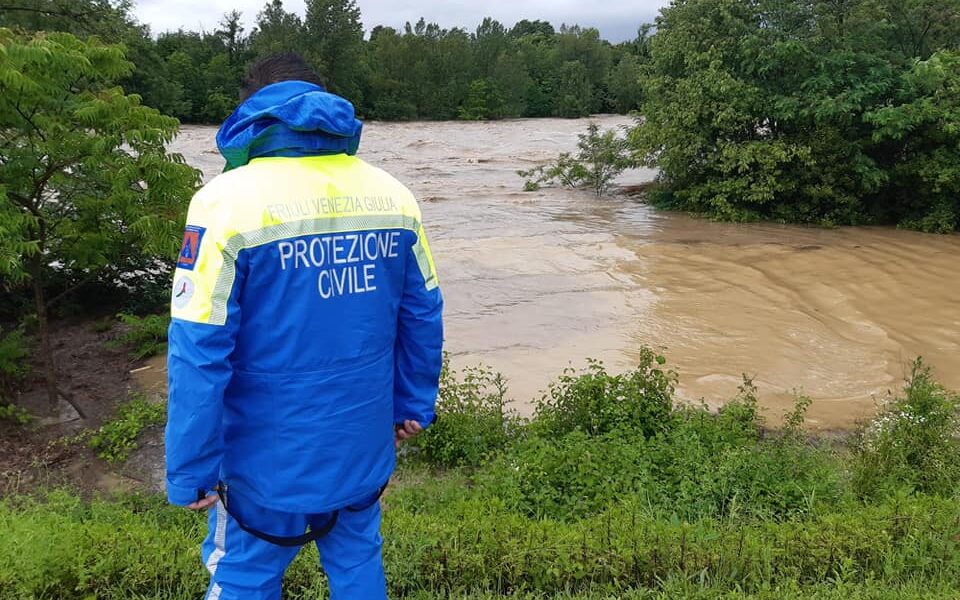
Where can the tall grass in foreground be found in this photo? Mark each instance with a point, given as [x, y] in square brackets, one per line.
[608, 492]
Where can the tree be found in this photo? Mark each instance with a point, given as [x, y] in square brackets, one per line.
[422, 71]
[601, 157]
[231, 32]
[152, 78]
[920, 27]
[624, 84]
[510, 76]
[276, 31]
[525, 27]
[584, 47]
[574, 92]
[109, 19]
[490, 41]
[757, 110]
[484, 101]
[335, 43]
[388, 94]
[87, 190]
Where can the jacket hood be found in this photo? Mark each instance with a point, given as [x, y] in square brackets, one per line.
[290, 118]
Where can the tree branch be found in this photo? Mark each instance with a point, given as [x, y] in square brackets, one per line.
[25, 203]
[29, 120]
[47, 12]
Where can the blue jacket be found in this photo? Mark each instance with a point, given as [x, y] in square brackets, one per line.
[306, 314]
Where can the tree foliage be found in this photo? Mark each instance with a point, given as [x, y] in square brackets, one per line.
[805, 111]
[422, 71]
[88, 193]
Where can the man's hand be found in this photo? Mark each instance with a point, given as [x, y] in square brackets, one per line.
[205, 503]
[409, 429]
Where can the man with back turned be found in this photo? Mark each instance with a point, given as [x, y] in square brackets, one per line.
[305, 342]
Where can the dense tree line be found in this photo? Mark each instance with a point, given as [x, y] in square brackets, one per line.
[420, 72]
[816, 111]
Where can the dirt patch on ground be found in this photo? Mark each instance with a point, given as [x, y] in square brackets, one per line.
[95, 372]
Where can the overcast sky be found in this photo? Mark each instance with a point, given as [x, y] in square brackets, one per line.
[617, 20]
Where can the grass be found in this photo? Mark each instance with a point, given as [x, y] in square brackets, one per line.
[608, 492]
[58, 546]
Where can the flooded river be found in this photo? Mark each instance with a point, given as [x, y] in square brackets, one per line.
[535, 282]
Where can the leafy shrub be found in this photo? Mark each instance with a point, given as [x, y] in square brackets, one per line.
[146, 336]
[115, 440]
[710, 506]
[568, 477]
[601, 157]
[472, 419]
[596, 402]
[15, 414]
[775, 481]
[14, 352]
[688, 462]
[14, 367]
[913, 442]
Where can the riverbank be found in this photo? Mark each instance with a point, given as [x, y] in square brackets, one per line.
[612, 490]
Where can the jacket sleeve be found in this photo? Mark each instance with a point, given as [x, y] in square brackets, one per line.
[205, 318]
[419, 346]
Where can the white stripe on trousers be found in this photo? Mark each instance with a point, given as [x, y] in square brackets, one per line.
[219, 541]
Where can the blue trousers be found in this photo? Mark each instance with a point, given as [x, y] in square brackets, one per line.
[244, 567]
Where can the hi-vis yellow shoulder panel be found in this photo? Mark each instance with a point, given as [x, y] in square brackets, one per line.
[273, 199]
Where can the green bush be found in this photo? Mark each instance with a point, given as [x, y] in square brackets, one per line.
[15, 414]
[116, 439]
[14, 367]
[484, 101]
[596, 403]
[923, 128]
[600, 158]
[145, 336]
[724, 465]
[602, 438]
[807, 112]
[14, 364]
[913, 442]
[472, 419]
[569, 477]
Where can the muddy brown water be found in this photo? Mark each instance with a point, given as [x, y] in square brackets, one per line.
[536, 282]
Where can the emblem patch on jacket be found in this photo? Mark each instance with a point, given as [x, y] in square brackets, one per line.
[183, 289]
[190, 250]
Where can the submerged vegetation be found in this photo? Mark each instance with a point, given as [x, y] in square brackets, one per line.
[831, 113]
[601, 157]
[802, 112]
[608, 491]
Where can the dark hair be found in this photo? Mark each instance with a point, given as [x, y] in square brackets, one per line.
[275, 68]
